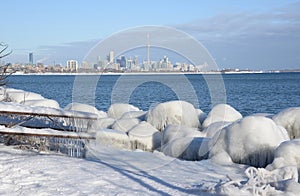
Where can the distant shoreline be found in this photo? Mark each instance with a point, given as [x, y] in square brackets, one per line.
[158, 73]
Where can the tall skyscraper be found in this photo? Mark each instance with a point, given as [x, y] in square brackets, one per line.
[111, 56]
[31, 58]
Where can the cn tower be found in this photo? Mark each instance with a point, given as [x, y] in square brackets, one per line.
[148, 47]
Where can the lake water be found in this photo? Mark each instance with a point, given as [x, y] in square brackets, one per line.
[248, 93]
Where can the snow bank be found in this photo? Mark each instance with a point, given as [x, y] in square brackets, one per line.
[221, 113]
[85, 108]
[213, 128]
[145, 137]
[18, 96]
[290, 120]
[251, 141]
[42, 102]
[287, 154]
[113, 138]
[124, 124]
[173, 113]
[118, 109]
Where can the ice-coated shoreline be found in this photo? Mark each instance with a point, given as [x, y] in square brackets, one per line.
[228, 153]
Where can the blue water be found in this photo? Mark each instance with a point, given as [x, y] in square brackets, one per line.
[248, 93]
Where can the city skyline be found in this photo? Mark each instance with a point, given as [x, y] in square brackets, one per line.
[248, 34]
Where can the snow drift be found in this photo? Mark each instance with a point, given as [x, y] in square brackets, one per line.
[290, 120]
[221, 113]
[173, 113]
[251, 141]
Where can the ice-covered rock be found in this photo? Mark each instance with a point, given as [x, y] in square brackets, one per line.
[101, 123]
[85, 108]
[118, 109]
[135, 114]
[290, 120]
[287, 154]
[251, 140]
[18, 96]
[172, 132]
[187, 148]
[221, 113]
[42, 102]
[213, 128]
[114, 138]
[125, 124]
[145, 137]
[173, 113]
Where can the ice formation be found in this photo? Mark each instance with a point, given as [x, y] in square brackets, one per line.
[221, 113]
[124, 124]
[184, 142]
[114, 138]
[145, 137]
[290, 120]
[251, 141]
[42, 102]
[173, 113]
[287, 154]
[118, 109]
[85, 108]
[213, 128]
[135, 114]
[172, 132]
[101, 123]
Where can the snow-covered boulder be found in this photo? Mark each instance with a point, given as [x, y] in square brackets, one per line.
[290, 120]
[287, 154]
[118, 109]
[101, 123]
[184, 142]
[173, 113]
[213, 128]
[187, 148]
[18, 96]
[135, 114]
[85, 108]
[251, 140]
[145, 137]
[114, 138]
[221, 113]
[42, 102]
[125, 124]
[172, 132]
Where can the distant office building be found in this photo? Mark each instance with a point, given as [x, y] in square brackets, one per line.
[30, 58]
[111, 57]
[72, 65]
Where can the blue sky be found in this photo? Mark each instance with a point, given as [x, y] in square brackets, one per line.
[241, 34]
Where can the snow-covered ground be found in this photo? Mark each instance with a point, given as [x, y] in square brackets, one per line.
[113, 172]
[115, 163]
